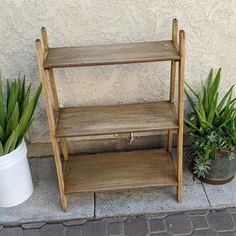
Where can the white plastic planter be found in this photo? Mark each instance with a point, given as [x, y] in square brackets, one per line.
[15, 177]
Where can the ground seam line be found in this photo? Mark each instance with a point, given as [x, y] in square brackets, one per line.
[206, 194]
[94, 205]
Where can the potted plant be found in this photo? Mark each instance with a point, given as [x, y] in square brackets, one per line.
[212, 127]
[16, 116]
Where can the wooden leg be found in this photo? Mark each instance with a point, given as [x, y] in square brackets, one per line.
[180, 166]
[172, 81]
[64, 149]
[59, 173]
[181, 114]
[52, 126]
[170, 140]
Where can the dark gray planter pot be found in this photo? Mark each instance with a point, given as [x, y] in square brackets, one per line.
[222, 170]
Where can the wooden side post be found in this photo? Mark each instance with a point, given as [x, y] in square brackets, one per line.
[53, 88]
[181, 113]
[51, 122]
[172, 80]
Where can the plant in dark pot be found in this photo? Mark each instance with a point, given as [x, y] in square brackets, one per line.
[16, 116]
[212, 127]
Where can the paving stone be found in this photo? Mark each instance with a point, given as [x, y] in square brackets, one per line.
[53, 229]
[31, 232]
[11, 231]
[136, 226]
[197, 213]
[220, 221]
[74, 222]
[234, 218]
[1, 227]
[158, 215]
[116, 219]
[204, 232]
[179, 224]
[199, 222]
[160, 234]
[227, 234]
[116, 228]
[35, 225]
[74, 230]
[97, 228]
[231, 209]
[157, 225]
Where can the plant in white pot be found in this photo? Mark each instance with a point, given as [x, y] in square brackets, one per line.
[16, 116]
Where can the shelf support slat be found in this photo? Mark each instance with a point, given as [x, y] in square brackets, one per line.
[181, 113]
[53, 87]
[51, 123]
[172, 81]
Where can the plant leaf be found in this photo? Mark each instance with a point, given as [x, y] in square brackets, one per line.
[1, 149]
[10, 142]
[2, 134]
[214, 87]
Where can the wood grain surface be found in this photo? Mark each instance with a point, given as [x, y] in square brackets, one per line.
[112, 119]
[111, 54]
[122, 170]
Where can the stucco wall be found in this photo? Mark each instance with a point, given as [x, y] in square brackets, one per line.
[210, 32]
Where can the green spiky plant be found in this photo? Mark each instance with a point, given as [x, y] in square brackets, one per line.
[211, 124]
[16, 113]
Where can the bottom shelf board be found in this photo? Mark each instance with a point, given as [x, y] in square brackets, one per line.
[120, 170]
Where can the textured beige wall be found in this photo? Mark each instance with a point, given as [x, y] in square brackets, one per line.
[210, 26]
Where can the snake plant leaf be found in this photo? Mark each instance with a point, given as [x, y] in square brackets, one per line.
[23, 132]
[201, 119]
[201, 108]
[190, 100]
[200, 103]
[37, 94]
[210, 79]
[228, 118]
[212, 112]
[17, 89]
[22, 94]
[8, 91]
[10, 141]
[2, 134]
[215, 85]
[15, 142]
[1, 149]
[2, 110]
[25, 118]
[223, 100]
[26, 99]
[205, 101]
[196, 95]
[191, 124]
[12, 101]
[13, 120]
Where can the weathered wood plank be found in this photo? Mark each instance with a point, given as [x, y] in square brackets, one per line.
[111, 54]
[111, 119]
[122, 170]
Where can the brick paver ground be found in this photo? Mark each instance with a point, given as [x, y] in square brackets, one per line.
[197, 223]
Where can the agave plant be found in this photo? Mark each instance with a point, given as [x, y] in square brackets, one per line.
[211, 124]
[16, 114]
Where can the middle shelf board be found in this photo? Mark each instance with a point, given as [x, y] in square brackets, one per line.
[111, 54]
[112, 119]
[120, 170]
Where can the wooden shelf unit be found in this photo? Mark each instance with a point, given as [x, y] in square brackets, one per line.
[121, 170]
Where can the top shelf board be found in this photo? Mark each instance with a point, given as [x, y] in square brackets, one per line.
[111, 54]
